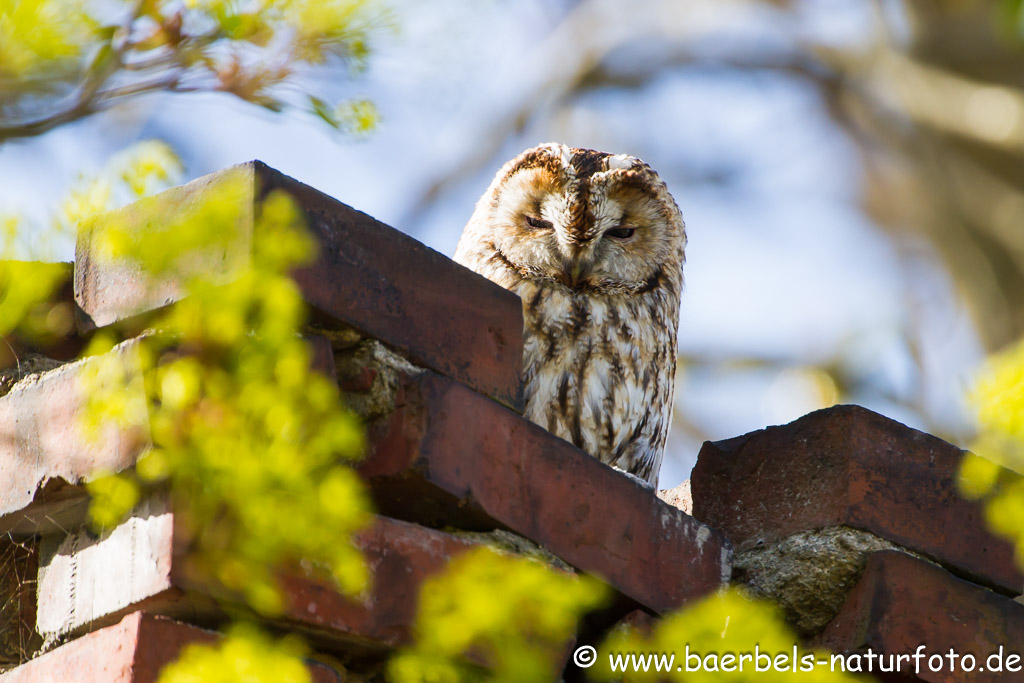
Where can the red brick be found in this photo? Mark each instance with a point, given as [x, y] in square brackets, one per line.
[321, 355]
[43, 452]
[367, 275]
[359, 382]
[449, 456]
[134, 650]
[139, 566]
[849, 466]
[901, 603]
[400, 556]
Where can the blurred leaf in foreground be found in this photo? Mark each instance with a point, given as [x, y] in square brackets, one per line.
[992, 470]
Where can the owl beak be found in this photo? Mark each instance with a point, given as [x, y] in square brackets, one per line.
[575, 273]
[575, 263]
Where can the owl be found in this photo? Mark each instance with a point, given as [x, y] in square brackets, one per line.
[593, 244]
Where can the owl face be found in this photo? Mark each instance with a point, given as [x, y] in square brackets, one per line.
[587, 221]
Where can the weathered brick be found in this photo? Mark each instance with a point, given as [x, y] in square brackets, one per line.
[321, 355]
[134, 650]
[848, 466]
[44, 453]
[902, 603]
[85, 580]
[448, 456]
[679, 497]
[367, 275]
[400, 557]
[139, 565]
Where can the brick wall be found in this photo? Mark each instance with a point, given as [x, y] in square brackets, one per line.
[847, 519]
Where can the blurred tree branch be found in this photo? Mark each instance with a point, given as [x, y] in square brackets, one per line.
[85, 65]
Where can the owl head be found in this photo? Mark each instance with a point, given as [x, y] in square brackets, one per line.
[587, 221]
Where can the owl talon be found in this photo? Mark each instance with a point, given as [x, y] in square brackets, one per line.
[639, 480]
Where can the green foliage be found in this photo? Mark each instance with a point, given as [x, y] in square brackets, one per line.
[26, 287]
[358, 117]
[144, 168]
[1012, 17]
[727, 622]
[491, 616]
[245, 433]
[253, 445]
[64, 59]
[992, 470]
[245, 654]
[41, 42]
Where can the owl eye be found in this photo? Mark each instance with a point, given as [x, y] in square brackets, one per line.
[620, 233]
[539, 223]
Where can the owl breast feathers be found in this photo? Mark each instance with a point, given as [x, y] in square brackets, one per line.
[593, 245]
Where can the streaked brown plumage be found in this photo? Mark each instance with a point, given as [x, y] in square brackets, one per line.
[593, 243]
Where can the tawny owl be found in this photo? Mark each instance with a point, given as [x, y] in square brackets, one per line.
[593, 244]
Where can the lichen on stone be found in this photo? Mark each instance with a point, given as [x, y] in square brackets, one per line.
[515, 544]
[384, 369]
[341, 336]
[810, 573]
